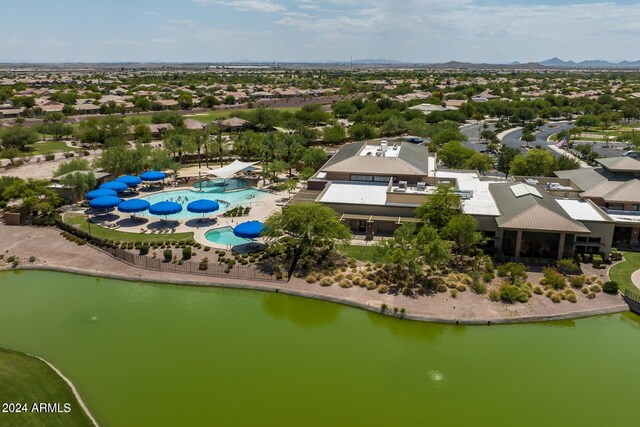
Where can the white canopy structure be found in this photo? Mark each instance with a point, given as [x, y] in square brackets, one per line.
[231, 169]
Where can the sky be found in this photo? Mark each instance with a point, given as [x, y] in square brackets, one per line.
[430, 31]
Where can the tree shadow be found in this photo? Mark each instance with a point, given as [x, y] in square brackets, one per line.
[303, 313]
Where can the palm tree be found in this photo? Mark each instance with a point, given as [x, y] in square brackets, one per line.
[269, 148]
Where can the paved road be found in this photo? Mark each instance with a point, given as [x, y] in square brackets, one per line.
[513, 140]
[473, 133]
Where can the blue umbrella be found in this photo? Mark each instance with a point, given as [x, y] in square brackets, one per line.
[100, 193]
[249, 229]
[152, 176]
[134, 205]
[130, 180]
[165, 208]
[105, 202]
[203, 206]
[116, 186]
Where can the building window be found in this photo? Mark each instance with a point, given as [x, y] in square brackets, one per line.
[615, 206]
[370, 178]
[634, 207]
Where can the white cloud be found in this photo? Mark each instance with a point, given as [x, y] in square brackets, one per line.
[162, 41]
[149, 12]
[119, 42]
[248, 5]
[185, 22]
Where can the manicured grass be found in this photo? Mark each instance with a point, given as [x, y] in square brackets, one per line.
[223, 114]
[622, 271]
[26, 379]
[80, 221]
[47, 147]
[363, 253]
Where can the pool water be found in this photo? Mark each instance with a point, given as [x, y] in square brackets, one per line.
[184, 197]
[225, 236]
[221, 185]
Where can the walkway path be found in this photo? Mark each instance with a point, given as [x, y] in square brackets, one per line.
[635, 278]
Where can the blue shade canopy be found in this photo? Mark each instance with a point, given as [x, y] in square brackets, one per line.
[153, 176]
[249, 229]
[100, 193]
[105, 202]
[116, 186]
[203, 206]
[130, 180]
[134, 205]
[165, 208]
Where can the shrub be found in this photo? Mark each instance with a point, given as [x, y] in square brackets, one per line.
[591, 295]
[597, 261]
[494, 295]
[204, 264]
[33, 259]
[514, 272]
[461, 288]
[311, 278]
[577, 281]
[326, 282]
[49, 157]
[479, 288]
[538, 290]
[567, 265]
[454, 293]
[488, 276]
[168, 255]
[595, 288]
[144, 249]
[553, 279]
[371, 285]
[511, 293]
[383, 289]
[556, 298]
[572, 298]
[610, 287]
[441, 288]
[585, 291]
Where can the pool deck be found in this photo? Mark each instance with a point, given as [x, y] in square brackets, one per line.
[56, 253]
[260, 210]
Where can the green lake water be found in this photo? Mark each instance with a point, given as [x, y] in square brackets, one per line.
[161, 355]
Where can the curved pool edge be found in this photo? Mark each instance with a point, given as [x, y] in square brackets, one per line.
[272, 287]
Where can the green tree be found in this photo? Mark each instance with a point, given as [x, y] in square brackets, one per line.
[315, 227]
[80, 182]
[505, 158]
[314, 158]
[142, 133]
[587, 121]
[462, 230]
[479, 162]
[454, 155]
[334, 134]
[343, 109]
[18, 137]
[412, 247]
[362, 131]
[441, 206]
[34, 195]
[71, 166]
[537, 162]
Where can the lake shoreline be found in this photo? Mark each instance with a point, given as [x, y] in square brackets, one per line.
[258, 286]
[57, 254]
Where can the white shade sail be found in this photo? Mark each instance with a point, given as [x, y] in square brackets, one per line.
[231, 169]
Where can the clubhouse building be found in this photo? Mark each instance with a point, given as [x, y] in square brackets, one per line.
[376, 187]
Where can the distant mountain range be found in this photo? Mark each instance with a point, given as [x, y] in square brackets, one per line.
[593, 63]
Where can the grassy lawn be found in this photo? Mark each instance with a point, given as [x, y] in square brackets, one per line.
[47, 147]
[80, 221]
[26, 379]
[622, 271]
[223, 114]
[363, 253]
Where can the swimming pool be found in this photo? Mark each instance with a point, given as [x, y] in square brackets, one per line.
[227, 200]
[225, 236]
[221, 185]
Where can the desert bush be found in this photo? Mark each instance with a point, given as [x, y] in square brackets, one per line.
[513, 272]
[461, 288]
[441, 288]
[556, 298]
[311, 278]
[454, 293]
[371, 285]
[511, 293]
[595, 288]
[488, 276]
[553, 279]
[168, 255]
[591, 295]
[597, 261]
[383, 289]
[577, 281]
[567, 265]
[326, 282]
[494, 295]
[32, 259]
[572, 298]
[610, 287]
[538, 290]
[344, 283]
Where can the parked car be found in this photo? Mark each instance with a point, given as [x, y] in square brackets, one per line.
[633, 154]
[415, 140]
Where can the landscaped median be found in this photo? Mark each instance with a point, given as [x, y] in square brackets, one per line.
[33, 394]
